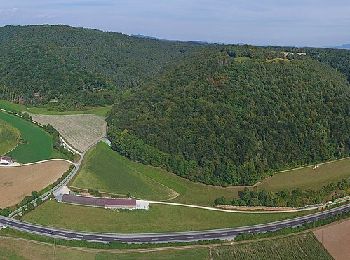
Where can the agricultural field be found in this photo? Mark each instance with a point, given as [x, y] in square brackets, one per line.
[307, 177]
[12, 248]
[159, 218]
[99, 111]
[105, 170]
[303, 246]
[9, 137]
[35, 143]
[18, 182]
[80, 131]
[335, 238]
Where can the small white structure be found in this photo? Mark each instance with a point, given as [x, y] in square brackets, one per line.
[60, 192]
[6, 161]
[142, 204]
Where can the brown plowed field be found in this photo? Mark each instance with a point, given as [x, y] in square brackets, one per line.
[18, 182]
[336, 239]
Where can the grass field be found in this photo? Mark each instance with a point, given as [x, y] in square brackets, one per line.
[9, 137]
[308, 178]
[303, 246]
[160, 218]
[106, 170]
[35, 143]
[100, 111]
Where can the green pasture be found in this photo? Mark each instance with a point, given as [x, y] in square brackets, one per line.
[9, 137]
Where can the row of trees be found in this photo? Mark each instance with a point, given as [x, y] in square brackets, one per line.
[288, 198]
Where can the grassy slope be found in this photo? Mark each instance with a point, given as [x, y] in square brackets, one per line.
[9, 137]
[307, 178]
[106, 170]
[160, 218]
[37, 143]
[100, 111]
[303, 246]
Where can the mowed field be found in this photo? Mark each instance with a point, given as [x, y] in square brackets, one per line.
[35, 143]
[9, 137]
[18, 182]
[303, 246]
[159, 218]
[12, 248]
[336, 239]
[80, 131]
[308, 178]
[105, 170]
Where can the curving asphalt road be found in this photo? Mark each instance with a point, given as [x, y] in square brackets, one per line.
[222, 234]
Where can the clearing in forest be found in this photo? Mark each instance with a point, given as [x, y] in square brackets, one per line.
[80, 131]
[18, 182]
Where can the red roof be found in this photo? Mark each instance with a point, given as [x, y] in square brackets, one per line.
[100, 202]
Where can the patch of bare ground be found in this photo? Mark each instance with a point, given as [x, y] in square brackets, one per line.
[80, 131]
[336, 239]
[18, 182]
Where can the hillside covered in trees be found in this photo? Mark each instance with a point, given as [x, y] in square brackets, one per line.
[75, 66]
[234, 114]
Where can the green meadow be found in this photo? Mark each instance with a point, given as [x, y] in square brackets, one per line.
[47, 110]
[34, 145]
[105, 170]
[159, 218]
[9, 137]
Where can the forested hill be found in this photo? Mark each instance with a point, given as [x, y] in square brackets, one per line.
[232, 115]
[77, 66]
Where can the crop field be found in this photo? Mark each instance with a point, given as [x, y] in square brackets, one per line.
[105, 170]
[160, 218]
[9, 137]
[80, 131]
[35, 144]
[308, 178]
[18, 182]
[335, 238]
[303, 246]
[99, 111]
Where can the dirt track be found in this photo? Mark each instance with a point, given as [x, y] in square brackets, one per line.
[18, 182]
[336, 239]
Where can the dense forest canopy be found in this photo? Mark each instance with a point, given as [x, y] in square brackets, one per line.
[231, 115]
[76, 66]
[218, 114]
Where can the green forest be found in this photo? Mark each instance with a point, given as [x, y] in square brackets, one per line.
[213, 113]
[233, 115]
[76, 67]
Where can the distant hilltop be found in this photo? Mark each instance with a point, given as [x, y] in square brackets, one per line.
[344, 46]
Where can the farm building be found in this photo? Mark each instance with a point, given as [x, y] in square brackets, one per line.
[107, 203]
[5, 160]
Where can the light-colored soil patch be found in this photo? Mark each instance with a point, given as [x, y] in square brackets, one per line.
[80, 131]
[336, 239]
[18, 182]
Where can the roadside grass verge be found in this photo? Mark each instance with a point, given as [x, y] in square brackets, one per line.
[9, 137]
[160, 218]
[106, 170]
[308, 178]
[35, 144]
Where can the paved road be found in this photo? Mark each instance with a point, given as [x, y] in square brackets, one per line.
[222, 234]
